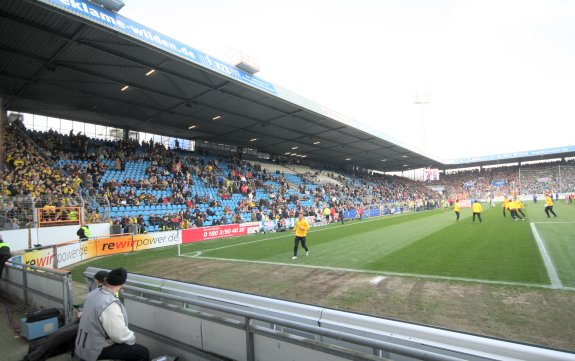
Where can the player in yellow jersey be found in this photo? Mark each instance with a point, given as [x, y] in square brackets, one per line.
[504, 205]
[520, 207]
[549, 206]
[456, 209]
[301, 228]
[512, 206]
[476, 208]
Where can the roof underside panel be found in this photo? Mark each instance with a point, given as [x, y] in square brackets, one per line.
[302, 126]
[61, 65]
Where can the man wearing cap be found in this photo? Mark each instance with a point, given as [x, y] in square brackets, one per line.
[103, 332]
[98, 281]
[5, 254]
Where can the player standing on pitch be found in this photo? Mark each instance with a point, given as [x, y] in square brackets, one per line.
[477, 209]
[456, 209]
[301, 227]
[549, 206]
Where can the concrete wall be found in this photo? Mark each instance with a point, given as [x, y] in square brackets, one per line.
[21, 239]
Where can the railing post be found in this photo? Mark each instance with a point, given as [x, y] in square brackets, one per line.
[382, 353]
[250, 353]
[55, 255]
[67, 298]
[25, 284]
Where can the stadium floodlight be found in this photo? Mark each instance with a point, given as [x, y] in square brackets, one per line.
[243, 61]
[113, 5]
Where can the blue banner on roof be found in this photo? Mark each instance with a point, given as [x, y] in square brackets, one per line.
[134, 30]
[529, 153]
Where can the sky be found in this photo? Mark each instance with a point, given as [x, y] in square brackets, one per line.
[495, 76]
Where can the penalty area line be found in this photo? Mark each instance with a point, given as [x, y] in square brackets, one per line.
[551, 271]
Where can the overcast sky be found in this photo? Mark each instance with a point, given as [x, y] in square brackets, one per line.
[499, 75]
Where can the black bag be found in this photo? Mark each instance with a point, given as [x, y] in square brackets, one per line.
[43, 315]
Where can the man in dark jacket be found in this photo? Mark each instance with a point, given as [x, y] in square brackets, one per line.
[5, 254]
[84, 232]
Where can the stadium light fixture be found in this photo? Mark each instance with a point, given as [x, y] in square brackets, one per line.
[287, 153]
[316, 143]
[384, 160]
[294, 148]
[216, 117]
[347, 158]
[151, 72]
[191, 127]
[113, 5]
[126, 87]
[404, 156]
[253, 139]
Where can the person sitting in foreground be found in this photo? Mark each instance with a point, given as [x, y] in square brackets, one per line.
[103, 332]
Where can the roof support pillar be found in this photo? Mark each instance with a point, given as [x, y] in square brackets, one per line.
[3, 119]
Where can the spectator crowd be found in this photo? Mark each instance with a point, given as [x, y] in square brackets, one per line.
[157, 188]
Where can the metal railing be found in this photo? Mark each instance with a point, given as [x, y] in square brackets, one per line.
[38, 288]
[19, 210]
[241, 326]
[143, 295]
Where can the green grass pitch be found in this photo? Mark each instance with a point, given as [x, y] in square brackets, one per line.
[429, 244]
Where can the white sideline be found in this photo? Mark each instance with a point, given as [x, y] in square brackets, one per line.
[290, 234]
[551, 271]
[198, 255]
[554, 278]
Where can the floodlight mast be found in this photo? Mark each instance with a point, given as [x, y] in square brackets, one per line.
[422, 98]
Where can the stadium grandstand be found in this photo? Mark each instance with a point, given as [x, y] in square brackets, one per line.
[158, 147]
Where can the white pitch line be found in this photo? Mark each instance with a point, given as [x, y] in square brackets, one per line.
[551, 271]
[376, 280]
[396, 274]
[551, 222]
[243, 243]
[288, 234]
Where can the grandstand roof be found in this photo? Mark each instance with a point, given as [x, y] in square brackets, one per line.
[70, 59]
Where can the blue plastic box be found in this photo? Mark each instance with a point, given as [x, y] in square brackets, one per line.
[34, 330]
